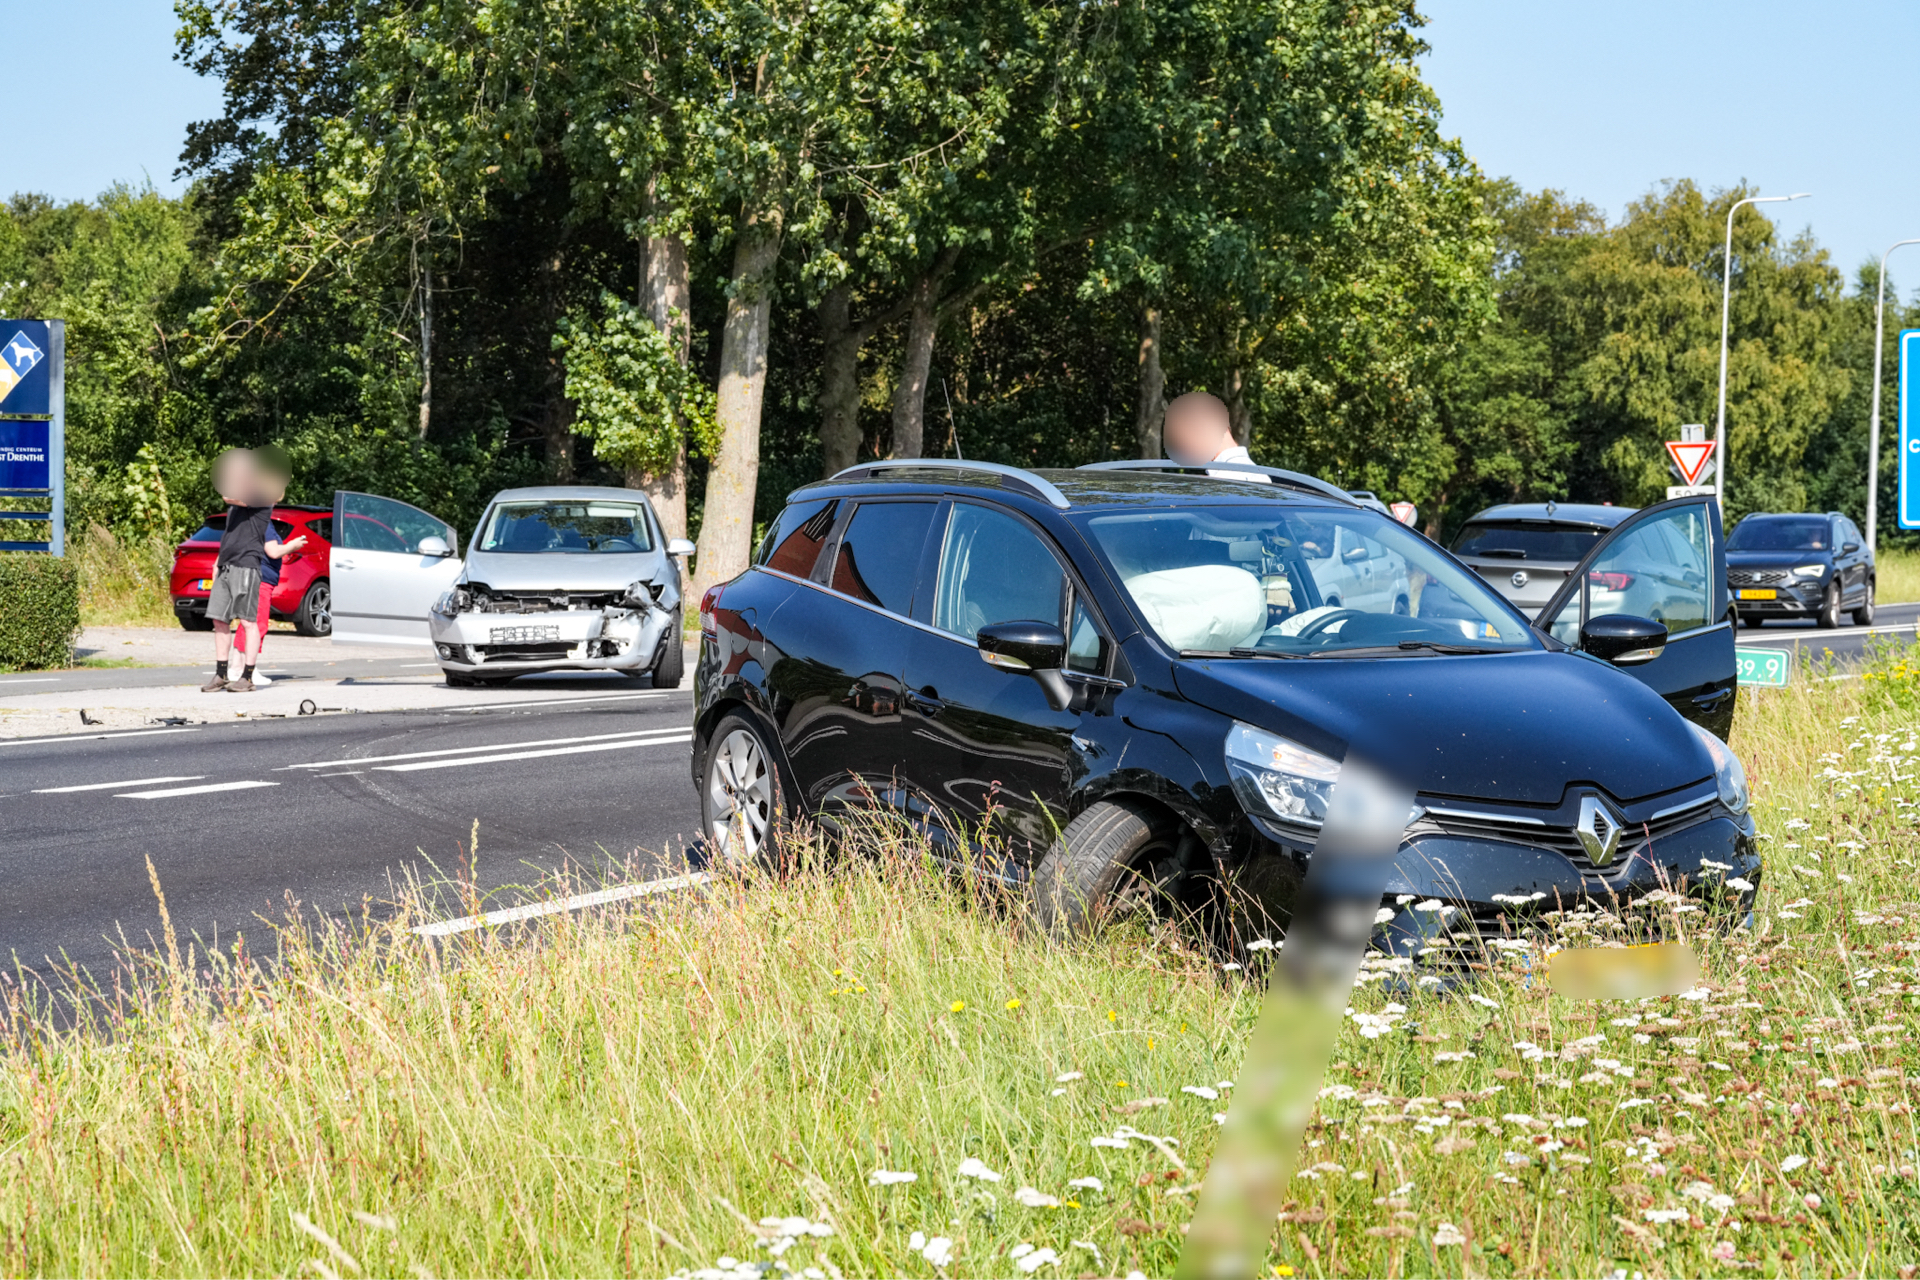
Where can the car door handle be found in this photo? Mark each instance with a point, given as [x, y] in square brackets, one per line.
[1705, 701]
[926, 701]
[338, 563]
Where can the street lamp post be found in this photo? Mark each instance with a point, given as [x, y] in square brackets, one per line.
[1873, 436]
[1726, 296]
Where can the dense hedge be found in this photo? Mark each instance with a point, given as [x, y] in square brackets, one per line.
[39, 611]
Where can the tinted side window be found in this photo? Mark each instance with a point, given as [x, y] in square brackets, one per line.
[880, 553]
[794, 542]
[994, 569]
[321, 527]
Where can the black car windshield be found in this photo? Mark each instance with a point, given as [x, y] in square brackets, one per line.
[1526, 540]
[618, 527]
[1273, 581]
[1779, 535]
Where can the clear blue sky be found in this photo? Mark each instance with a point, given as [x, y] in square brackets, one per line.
[1601, 100]
[1605, 100]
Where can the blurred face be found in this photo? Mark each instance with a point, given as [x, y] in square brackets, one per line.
[1196, 432]
[233, 476]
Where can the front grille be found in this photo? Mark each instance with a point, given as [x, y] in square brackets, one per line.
[559, 650]
[549, 602]
[1562, 840]
[1755, 577]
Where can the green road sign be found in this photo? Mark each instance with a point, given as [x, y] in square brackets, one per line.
[1766, 667]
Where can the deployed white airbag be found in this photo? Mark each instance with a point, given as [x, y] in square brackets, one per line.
[1203, 606]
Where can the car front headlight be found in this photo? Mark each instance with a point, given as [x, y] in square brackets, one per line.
[1278, 777]
[1728, 774]
[1809, 570]
[452, 602]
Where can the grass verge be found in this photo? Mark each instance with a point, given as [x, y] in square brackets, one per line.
[718, 1083]
[123, 581]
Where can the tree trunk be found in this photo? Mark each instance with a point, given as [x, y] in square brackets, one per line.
[726, 524]
[1239, 414]
[667, 299]
[426, 352]
[910, 393]
[1150, 409]
[839, 382]
[557, 427]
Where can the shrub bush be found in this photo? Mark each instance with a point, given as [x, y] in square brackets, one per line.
[39, 611]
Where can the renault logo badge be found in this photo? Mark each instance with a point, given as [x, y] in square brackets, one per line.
[1599, 831]
[1519, 578]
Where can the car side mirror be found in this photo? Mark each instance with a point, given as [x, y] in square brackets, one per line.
[1355, 555]
[1849, 548]
[679, 547]
[1037, 649]
[435, 547]
[1624, 640]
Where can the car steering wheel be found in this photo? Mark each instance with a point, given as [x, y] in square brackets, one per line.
[1326, 620]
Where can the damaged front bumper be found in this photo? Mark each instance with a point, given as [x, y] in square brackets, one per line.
[1464, 884]
[624, 637]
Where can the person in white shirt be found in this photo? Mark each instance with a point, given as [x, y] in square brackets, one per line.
[1198, 431]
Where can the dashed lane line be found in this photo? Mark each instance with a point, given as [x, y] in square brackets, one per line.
[169, 792]
[462, 761]
[90, 737]
[484, 748]
[108, 786]
[442, 928]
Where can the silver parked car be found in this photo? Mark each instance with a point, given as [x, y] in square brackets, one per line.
[1525, 550]
[558, 578]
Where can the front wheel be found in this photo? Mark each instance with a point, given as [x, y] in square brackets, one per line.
[670, 667]
[1829, 615]
[742, 801]
[1117, 861]
[1863, 616]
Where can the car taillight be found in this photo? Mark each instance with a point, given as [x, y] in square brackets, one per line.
[707, 603]
[1608, 581]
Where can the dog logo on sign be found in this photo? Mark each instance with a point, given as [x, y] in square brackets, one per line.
[17, 360]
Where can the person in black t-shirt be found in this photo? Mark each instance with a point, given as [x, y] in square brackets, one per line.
[249, 490]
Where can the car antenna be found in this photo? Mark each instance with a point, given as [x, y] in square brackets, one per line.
[1550, 506]
[953, 428]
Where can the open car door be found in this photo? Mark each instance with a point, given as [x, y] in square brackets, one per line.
[1667, 562]
[390, 563]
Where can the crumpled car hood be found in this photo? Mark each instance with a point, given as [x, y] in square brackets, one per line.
[1519, 728]
[560, 571]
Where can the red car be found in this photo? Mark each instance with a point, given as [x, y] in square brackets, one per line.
[305, 593]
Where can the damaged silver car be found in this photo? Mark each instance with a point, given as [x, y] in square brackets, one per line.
[559, 578]
[564, 579]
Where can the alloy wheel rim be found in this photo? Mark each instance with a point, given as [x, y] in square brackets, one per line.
[739, 797]
[323, 608]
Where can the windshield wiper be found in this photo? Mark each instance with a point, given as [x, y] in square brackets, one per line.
[1405, 646]
[1237, 653]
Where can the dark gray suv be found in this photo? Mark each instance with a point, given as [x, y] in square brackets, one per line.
[1800, 565]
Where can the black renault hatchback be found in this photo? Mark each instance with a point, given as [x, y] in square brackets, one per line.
[1123, 683]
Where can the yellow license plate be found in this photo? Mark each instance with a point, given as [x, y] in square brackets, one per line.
[1758, 593]
[206, 584]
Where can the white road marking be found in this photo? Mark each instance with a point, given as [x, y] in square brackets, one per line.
[89, 737]
[487, 747]
[442, 928]
[167, 792]
[535, 755]
[419, 664]
[344, 773]
[34, 680]
[1793, 637]
[532, 704]
[108, 786]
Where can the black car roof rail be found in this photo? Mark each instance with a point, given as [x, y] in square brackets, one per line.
[1025, 479]
[1292, 479]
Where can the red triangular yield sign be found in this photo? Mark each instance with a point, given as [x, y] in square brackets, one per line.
[1691, 457]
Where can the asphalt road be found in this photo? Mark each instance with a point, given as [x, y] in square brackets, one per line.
[237, 816]
[172, 674]
[1846, 643]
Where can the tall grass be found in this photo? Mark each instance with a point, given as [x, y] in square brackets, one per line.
[718, 1079]
[123, 579]
[1897, 575]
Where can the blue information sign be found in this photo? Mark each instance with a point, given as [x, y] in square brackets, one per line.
[26, 454]
[1909, 504]
[26, 368]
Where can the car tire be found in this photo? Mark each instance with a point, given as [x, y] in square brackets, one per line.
[1117, 860]
[742, 796]
[461, 680]
[314, 617]
[1829, 616]
[670, 666]
[194, 622]
[1863, 616]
